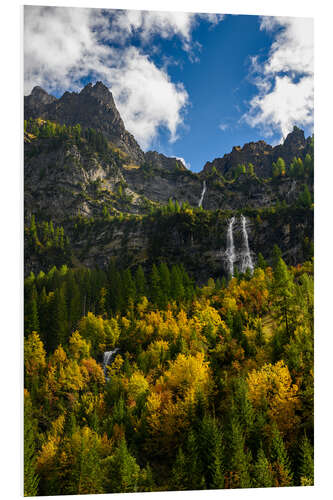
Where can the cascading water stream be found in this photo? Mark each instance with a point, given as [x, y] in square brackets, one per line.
[108, 358]
[246, 259]
[202, 194]
[230, 251]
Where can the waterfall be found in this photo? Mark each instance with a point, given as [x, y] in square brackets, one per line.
[108, 358]
[246, 259]
[202, 193]
[230, 251]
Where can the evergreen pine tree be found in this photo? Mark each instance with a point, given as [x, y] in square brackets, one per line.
[194, 472]
[262, 477]
[179, 472]
[122, 471]
[306, 466]
[211, 452]
[282, 288]
[240, 459]
[155, 285]
[279, 459]
[261, 261]
[165, 283]
[140, 282]
[31, 319]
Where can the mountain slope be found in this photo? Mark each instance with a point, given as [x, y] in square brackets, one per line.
[85, 172]
[93, 107]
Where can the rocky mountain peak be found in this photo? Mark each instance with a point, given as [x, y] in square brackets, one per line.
[38, 91]
[261, 154]
[100, 92]
[38, 97]
[93, 107]
[295, 138]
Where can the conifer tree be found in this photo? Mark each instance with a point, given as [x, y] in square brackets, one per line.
[261, 261]
[140, 282]
[239, 463]
[194, 472]
[279, 459]
[177, 286]
[282, 288]
[58, 327]
[306, 467]
[128, 287]
[242, 408]
[74, 304]
[277, 254]
[33, 232]
[155, 284]
[262, 477]
[122, 471]
[165, 283]
[31, 319]
[211, 452]
[179, 472]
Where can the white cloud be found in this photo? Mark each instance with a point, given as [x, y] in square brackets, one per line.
[146, 98]
[287, 104]
[146, 24]
[223, 126]
[292, 49]
[64, 45]
[60, 46]
[285, 80]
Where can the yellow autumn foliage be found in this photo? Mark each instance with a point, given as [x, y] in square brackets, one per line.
[272, 385]
[137, 385]
[34, 354]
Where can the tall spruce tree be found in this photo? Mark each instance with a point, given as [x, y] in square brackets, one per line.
[31, 319]
[280, 461]
[262, 474]
[306, 465]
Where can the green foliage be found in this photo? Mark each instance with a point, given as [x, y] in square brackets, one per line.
[280, 461]
[122, 471]
[305, 199]
[263, 477]
[306, 468]
[213, 387]
[31, 478]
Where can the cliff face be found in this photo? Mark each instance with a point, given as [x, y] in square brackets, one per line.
[262, 155]
[110, 200]
[93, 107]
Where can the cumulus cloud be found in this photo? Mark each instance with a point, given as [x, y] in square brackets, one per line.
[61, 46]
[147, 24]
[146, 97]
[64, 45]
[285, 80]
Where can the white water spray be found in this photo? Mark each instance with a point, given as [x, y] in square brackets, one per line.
[246, 259]
[230, 251]
[202, 193]
[108, 358]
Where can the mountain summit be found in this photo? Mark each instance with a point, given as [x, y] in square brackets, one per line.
[262, 155]
[93, 107]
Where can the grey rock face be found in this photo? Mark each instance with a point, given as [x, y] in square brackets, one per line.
[65, 180]
[261, 154]
[93, 107]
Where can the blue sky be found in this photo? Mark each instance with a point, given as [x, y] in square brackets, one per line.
[187, 85]
[220, 89]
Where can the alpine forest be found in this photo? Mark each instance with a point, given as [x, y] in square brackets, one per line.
[168, 314]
